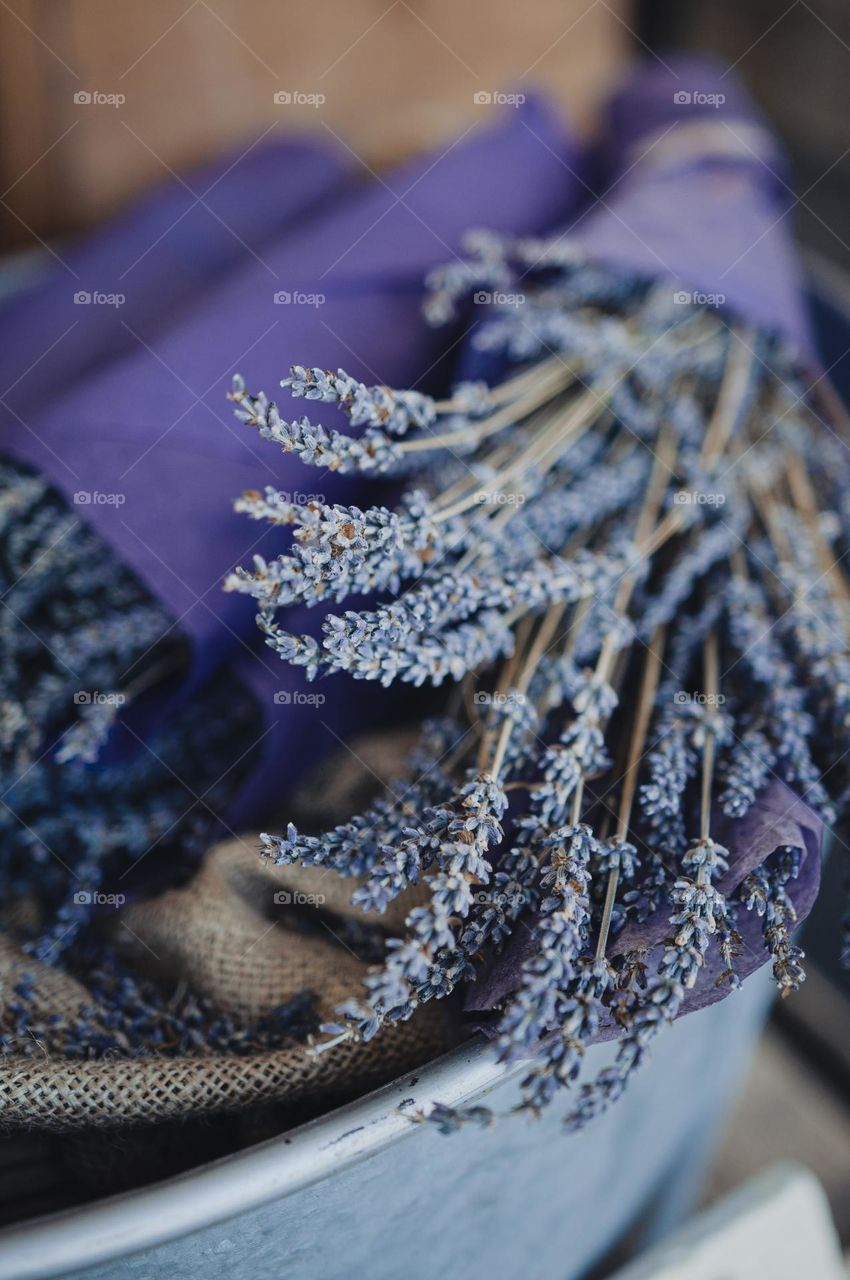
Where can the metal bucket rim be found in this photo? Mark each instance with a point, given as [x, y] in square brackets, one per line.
[60, 1243]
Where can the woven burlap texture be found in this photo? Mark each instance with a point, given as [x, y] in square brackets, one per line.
[234, 933]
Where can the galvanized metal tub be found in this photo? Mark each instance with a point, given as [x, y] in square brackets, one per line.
[367, 1192]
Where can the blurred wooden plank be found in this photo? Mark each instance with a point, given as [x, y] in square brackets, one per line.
[30, 173]
[787, 1112]
[200, 75]
[817, 1021]
[778, 1225]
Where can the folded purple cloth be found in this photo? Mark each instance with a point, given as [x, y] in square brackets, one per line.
[151, 438]
[698, 195]
[149, 442]
[778, 818]
[152, 262]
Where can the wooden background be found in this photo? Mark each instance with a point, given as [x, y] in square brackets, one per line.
[200, 75]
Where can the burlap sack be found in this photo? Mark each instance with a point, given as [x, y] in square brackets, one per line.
[249, 936]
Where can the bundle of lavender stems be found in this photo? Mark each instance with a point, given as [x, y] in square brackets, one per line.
[80, 633]
[139, 725]
[622, 558]
[86, 644]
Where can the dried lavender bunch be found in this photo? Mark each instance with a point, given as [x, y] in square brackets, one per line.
[83, 798]
[765, 891]
[102, 821]
[620, 539]
[131, 1016]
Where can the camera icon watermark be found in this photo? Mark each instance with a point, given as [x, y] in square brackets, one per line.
[488, 297]
[94, 498]
[501, 901]
[684, 298]
[94, 898]
[86, 298]
[284, 498]
[295, 898]
[297, 698]
[513, 698]
[496, 98]
[94, 98]
[695, 98]
[499, 499]
[682, 698]
[94, 698]
[283, 298]
[297, 98]
[698, 498]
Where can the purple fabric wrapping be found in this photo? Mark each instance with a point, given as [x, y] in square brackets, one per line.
[697, 194]
[549, 191]
[158, 255]
[155, 427]
[778, 818]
